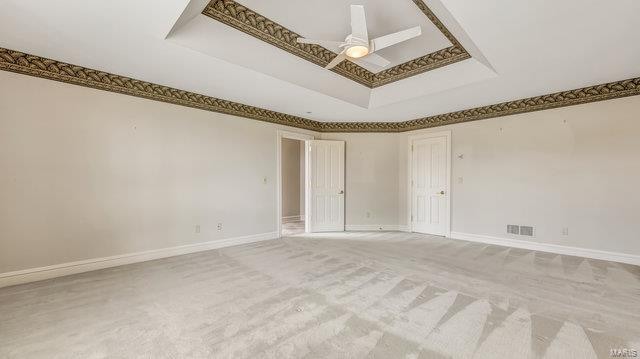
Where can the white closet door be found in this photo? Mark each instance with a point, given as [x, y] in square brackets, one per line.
[327, 185]
[430, 186]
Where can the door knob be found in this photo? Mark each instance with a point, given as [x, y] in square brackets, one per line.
[341, 192]
[441, 192]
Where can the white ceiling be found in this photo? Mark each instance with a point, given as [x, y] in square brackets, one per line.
[213, 38]
[520, 49]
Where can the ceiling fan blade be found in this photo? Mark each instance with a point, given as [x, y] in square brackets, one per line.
[397, 37]
[327, 44]
[359, 23]
[375, 59]
[336, 60]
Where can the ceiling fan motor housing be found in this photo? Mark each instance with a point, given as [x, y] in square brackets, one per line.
[356, 47]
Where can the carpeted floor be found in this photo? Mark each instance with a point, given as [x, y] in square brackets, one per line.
[291, 228]
[352, 295]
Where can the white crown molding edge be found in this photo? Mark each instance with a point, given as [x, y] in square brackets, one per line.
[64, 269]
[550, 248]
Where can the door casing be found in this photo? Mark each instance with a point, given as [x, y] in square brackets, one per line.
[294, 136]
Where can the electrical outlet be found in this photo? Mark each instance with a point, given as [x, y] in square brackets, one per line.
[565, 231]
[197, 228]
[460, 180]
[219, 226]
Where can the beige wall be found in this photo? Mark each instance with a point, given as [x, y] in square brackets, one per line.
[302, 178]
[86, 174]
[290, 177]
[371, 178]
[574, 167]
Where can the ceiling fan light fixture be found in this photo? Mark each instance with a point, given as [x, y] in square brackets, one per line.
[357, 44]
[357, 51]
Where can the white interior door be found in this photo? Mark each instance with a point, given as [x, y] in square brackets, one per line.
[326, 166]
[430, 185]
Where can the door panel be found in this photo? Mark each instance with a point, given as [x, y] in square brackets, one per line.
[327, 185]
[430, 185]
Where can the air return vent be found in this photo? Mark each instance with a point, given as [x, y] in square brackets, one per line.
[513, 229]
[526, 231]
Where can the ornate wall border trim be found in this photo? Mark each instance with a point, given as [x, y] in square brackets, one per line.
[59, 71]
[608, 91]
[26, 64]
[250, 22]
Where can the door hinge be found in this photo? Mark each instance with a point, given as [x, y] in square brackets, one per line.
[412, 218]
[411, 148]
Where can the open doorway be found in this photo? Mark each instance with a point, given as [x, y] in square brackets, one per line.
[292, 183]
[293, 162]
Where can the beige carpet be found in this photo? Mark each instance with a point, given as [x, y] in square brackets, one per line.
[292, 228]
[382, 295]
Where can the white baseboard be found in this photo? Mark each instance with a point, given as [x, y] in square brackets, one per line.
[551, 248]
[288, 219]
[404, 228]
[375, 227]
[63, 269]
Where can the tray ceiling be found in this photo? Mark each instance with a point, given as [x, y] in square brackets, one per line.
[264, 40]
[436, 47]
[519, 55]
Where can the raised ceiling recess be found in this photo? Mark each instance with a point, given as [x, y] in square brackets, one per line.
[169, 51]
[262, 27]
[263, 36]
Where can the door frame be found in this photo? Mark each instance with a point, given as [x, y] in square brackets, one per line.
[300, 137]
[411, 140]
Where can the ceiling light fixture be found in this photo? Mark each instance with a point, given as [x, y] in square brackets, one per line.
[357, 45]
[357, 51]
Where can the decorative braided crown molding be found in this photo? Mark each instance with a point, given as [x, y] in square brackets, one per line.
[608, 91]
[55, 70]
[248, 21]
[21, 63]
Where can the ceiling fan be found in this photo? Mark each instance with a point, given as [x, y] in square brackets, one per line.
[357, 46]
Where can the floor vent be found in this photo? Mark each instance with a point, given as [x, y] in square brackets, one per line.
[513, 229]
[526, 231]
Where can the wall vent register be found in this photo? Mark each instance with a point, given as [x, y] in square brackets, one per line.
[526, 231]
[520, 230]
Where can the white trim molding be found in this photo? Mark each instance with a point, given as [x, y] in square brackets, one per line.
[294, 136]
[64, 269]
[550, 248]
[376, 227]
